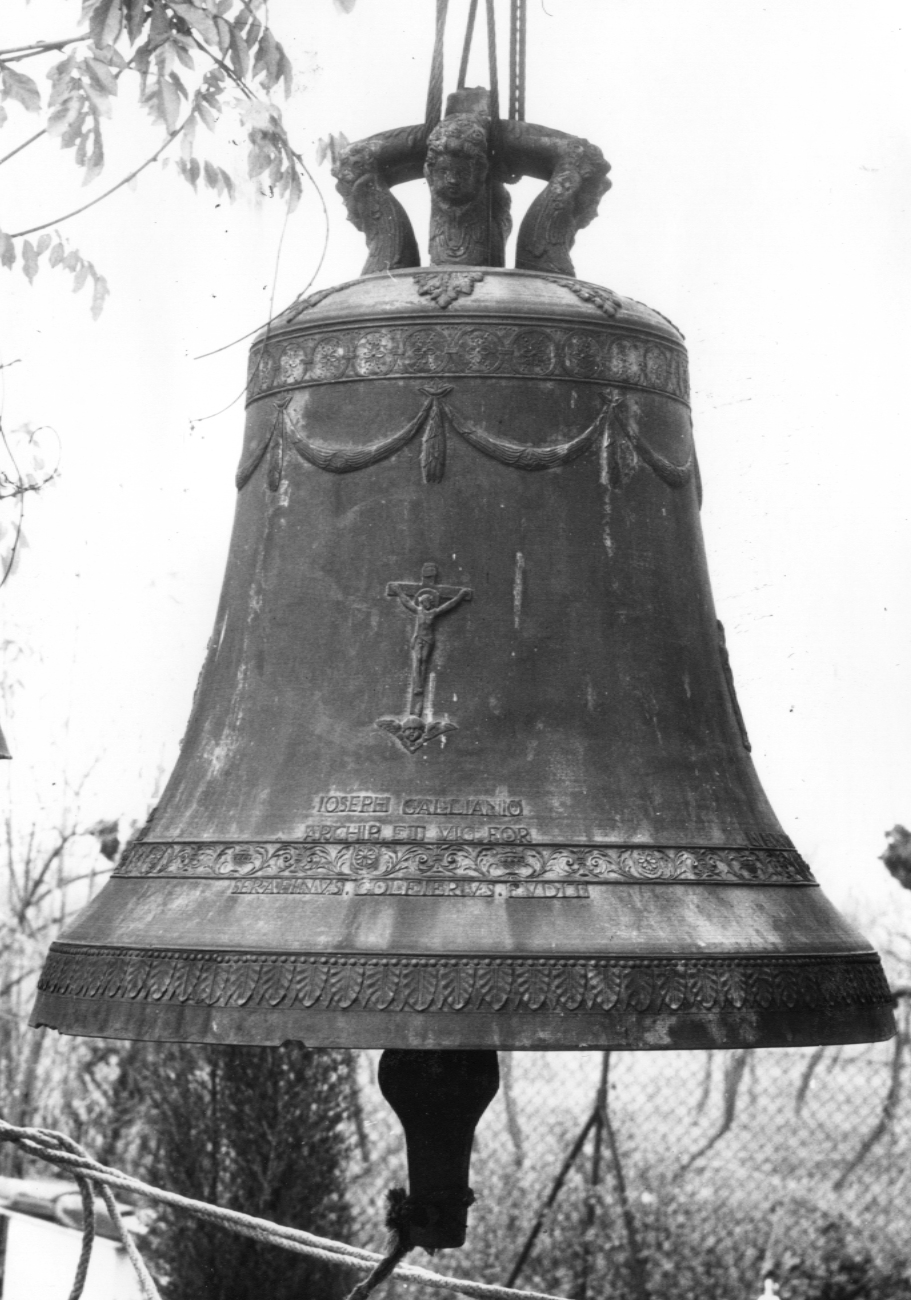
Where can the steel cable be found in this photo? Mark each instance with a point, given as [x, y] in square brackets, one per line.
[518, 26]
[466, 45]
[434, 109]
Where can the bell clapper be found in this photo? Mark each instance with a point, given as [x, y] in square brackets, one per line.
[438, 1096]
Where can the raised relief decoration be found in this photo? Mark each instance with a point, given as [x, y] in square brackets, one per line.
[623, 449]
[450, 347]
[638, 987]
[428, 602]
[359, 854]
[446, 287]
[465, 159]
[606, 301]
[311, 300]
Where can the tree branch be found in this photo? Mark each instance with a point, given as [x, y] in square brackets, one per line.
[25, 144]
[64, 884]
[39, 47]
[226, 68]
[58, 221]
[14, 550]
[11, 984]
[42, 874]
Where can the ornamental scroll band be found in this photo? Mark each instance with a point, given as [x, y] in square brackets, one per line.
[640, 987]
[483, 349]
[616, 426]
[584, 863]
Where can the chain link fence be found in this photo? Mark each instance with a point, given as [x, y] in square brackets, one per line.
[710, 1172]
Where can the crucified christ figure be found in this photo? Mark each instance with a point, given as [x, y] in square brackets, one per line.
[427, 602]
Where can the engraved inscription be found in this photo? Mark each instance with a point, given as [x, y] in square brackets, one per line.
[344, 834]
[511, 889]
[409, 833]
[546, 889]
[428, 888]
[289, 887]
[428, 602]
[354, 832]
[354, 803]
[489, 834]
[470, 807]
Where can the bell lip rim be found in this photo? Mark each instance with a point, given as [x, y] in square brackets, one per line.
[361, 1030]
[857, 1007]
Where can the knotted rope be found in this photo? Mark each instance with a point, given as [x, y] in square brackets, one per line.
[398, 1221]
[59, 1150]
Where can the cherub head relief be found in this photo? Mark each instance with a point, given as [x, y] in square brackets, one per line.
[456, 166]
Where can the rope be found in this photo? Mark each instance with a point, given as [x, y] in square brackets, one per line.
[57, 1149]
[518, 25]
[398, 1221]
[434, 109]
[88, 1237]
[466, 47]
[146, 1284]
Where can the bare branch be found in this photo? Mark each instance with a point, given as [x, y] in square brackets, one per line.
[886, 1115]
[34, 886]
[25, 144]
[42, 47]
[8, 987]
[736, 1067]
[226, 69]
[65, 884]
[58, 221]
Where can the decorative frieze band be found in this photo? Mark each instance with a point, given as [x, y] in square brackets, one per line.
[634, 986]
[449, 349]
[596, 865]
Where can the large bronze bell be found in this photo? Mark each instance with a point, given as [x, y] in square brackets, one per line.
[466, 767]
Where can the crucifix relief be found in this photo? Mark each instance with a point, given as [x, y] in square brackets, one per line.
[428, 601]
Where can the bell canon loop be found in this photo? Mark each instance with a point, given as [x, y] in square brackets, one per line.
[466, 766]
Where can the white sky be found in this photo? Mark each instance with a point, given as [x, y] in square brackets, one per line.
[762, 178]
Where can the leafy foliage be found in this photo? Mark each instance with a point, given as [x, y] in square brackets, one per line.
[24, 468]
[897, 856]
[50, 868]
[834, 1265]
[59, 254]
[259, 1129]
[190, 62]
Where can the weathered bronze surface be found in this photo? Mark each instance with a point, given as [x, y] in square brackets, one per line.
[466, 766]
